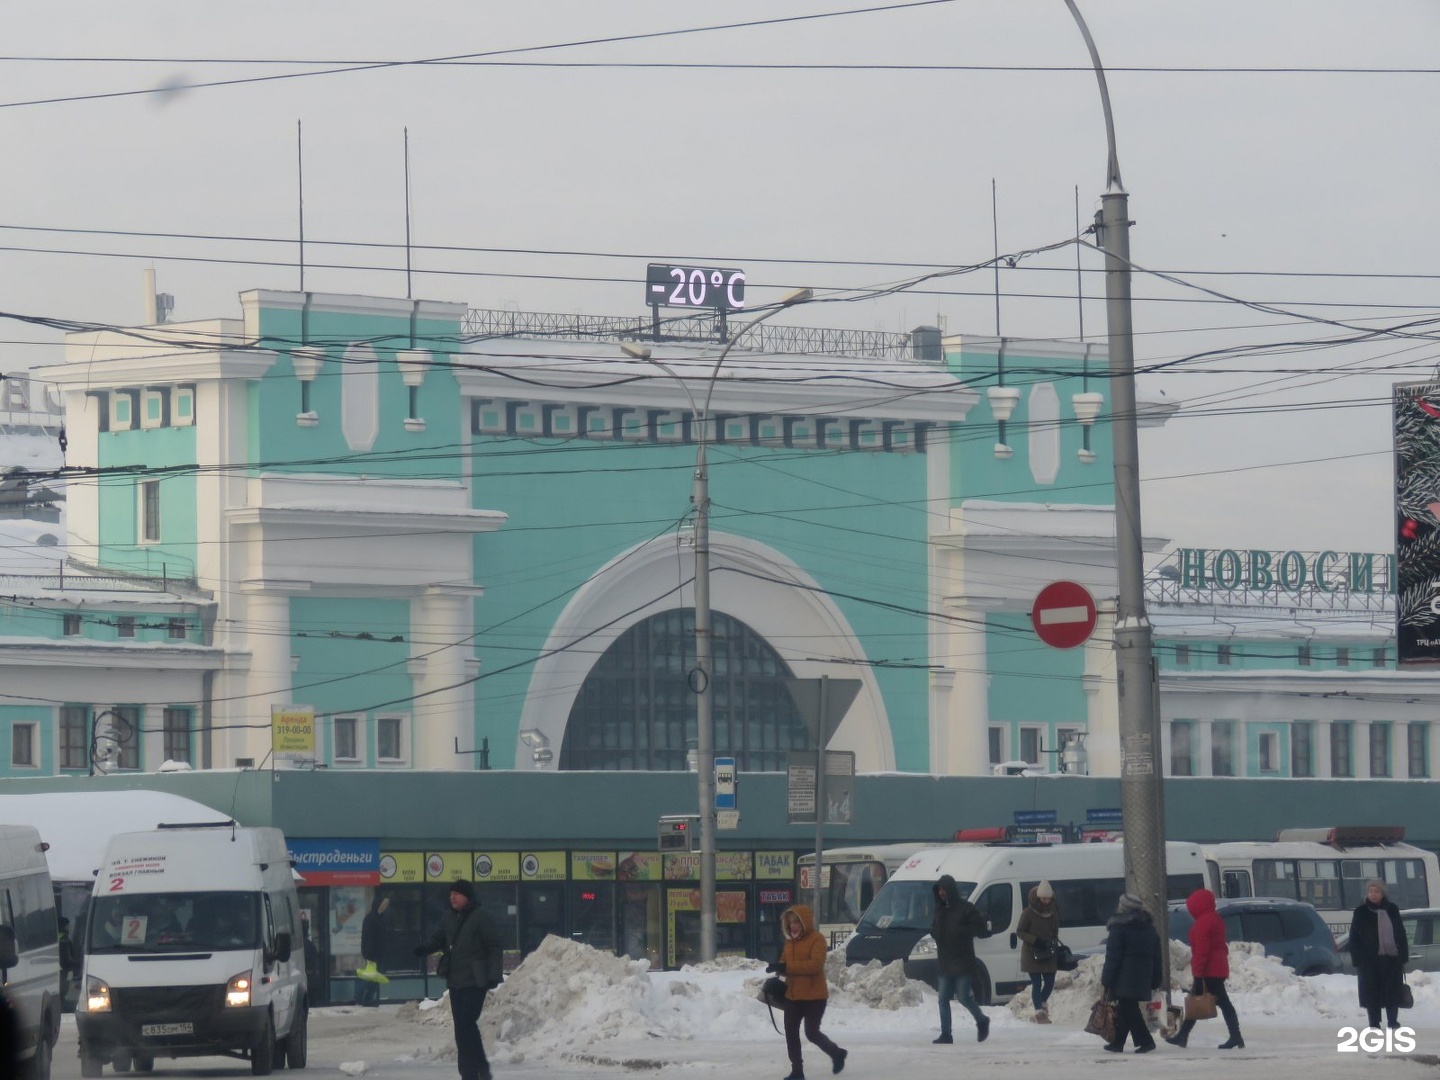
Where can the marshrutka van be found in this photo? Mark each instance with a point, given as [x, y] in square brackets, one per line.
[193, 948]
[1088, 880]
[29, 948]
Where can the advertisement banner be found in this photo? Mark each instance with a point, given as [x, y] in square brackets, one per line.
[592, 866]
[732, 866]
[640, 866]
[497, 866]
[292, 734]
[447, 866]
[542, 866]
[1417, 523]
[336, 862]
[402, 867]
[774, 866]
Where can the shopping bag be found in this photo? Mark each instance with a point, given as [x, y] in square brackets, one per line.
[370, 973]
[1102, 1020]
[1199, 1006]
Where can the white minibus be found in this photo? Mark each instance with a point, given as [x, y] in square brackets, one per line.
[1088, 880]
[29, 948]
[849, 879]
[193, 948]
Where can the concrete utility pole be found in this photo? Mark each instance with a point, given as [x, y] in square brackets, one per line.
[1142, 799]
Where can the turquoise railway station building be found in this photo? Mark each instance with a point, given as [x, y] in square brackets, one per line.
[343, 564]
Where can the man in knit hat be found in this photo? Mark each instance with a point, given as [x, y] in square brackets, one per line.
[467, 941]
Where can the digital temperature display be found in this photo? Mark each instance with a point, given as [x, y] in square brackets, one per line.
[667, 285]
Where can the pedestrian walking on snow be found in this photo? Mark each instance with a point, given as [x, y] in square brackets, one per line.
[956, 925]
[1132, 971]
[1039, 930]
[466, 937]
[802, 962]
[1210, 964]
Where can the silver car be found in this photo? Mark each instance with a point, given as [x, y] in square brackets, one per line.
[1422, 931]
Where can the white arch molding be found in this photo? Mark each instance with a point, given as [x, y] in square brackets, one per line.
[798, 622]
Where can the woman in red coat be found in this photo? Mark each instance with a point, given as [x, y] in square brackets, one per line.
[803, 964]
[1210, 964]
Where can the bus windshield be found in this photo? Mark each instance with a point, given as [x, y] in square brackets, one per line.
[849, 889]
[174, 922]
[906, 905]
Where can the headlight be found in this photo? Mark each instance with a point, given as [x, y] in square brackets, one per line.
[237, 991]
[97, 996]
[924, 948]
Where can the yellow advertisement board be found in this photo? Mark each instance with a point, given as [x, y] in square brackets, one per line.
[401, 867]
[497, 866]
[447, 866]
[592, 866]
[542, 866]
[774, 866]
[639, 866]
[292, 730]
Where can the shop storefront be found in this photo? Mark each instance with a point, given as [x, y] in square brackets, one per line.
[640, 904]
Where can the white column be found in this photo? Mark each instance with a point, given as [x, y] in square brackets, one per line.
[1320, 747]
[1360, 748]
[267, 630]
[965, 741]
[942, 688]
[443, 713]
[1102, 701]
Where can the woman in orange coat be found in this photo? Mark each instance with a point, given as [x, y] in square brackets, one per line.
[803, 964]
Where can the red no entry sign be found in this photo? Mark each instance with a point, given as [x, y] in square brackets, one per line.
[1064, 614]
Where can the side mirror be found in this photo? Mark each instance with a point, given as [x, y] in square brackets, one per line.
[9, 956]
[282, 946]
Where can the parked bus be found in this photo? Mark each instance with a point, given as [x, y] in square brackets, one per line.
[1327, 868]
[850, 877]
[1088, 880]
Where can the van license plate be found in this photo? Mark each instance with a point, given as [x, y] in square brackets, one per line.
[167, 1029]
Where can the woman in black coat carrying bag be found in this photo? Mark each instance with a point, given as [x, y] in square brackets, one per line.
[1379, 949]
[1132, 971]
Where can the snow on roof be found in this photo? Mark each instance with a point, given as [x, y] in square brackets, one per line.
[78, 824]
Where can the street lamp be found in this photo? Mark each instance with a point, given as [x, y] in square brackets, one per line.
[704, 650]
[1142, 800]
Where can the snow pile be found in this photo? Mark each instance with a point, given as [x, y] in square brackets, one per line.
[871, 985]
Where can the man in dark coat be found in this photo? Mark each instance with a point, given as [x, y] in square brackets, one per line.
[466, 938]
[1379, 949]
[1132, 971]
[956, 925]
[374, 931]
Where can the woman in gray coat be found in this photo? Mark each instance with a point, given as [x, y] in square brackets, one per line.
[1039, 930]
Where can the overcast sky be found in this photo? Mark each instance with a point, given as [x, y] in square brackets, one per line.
[840, 151]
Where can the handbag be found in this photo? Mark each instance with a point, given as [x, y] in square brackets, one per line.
[1102, 1020]
[1064, 958]
[1199, 1006]
[1407, 998]
[1042, 950]
[772, 992]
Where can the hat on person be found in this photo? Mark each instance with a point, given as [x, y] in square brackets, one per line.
[464, 888]
[1131, 902]
[1044, 891]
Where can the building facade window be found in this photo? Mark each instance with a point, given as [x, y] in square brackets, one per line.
[345, 736]
[1379, 749]
[1222, 748]
[996, 738]
[1304, 655]
[75, 737]
[1340, 759]
[1224, 655]
[1302, 748]
[1182, 748]
[1342, 656]
[71, 625]
[149, 511]
[175, 629]
[391, 747]
[177, 735]
[1269, 748]
[1182, 655]
[1417, 740]
[22, 745]
[125, 626]
[1377, 658]
[636, 708]
[1030, 745]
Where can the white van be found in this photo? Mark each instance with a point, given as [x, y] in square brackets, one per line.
[29, 947]
[192, 949]
[1088, 880]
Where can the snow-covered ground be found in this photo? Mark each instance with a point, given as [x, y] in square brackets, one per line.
[570, 1011]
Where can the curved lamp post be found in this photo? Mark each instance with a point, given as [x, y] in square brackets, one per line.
[1141, 793]
[704, 644]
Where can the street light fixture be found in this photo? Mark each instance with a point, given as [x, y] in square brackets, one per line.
[704, 644]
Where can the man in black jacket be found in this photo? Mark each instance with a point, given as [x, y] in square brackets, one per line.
[466, 939]
[956, 925]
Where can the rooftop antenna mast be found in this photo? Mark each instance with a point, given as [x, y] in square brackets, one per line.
[408, 294]
[300, 179]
